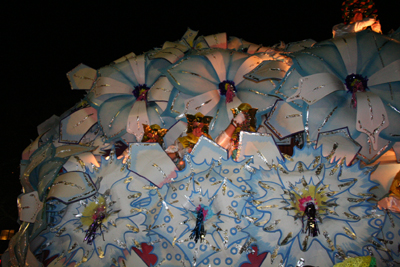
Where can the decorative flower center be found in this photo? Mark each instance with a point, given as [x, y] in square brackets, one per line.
[228, 89]
[93, 211]
[356, 83]
[304, 201]
[202, 209]
[310, 203]
[93, 217]
[99, 212]
[140, 92]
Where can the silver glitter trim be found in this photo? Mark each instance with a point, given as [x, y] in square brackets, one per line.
[375, 131]
[160, 170]
[214, 120]
[306, 128]
[173, 104]
[326, 119]
[203, 104]
[159, 116]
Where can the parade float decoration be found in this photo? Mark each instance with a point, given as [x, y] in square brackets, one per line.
[100, 189]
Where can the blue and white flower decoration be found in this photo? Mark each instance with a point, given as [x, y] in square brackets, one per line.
[311, 205]
[211, 81]
[351, 81]
[206, 211]
[103, 228]
[217, 211]
[131, 92]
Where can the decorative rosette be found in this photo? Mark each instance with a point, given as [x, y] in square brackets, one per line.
[203, 212]
[101, 229]
[211, 81]
[131, 92]
[350, 82]
[311, 205]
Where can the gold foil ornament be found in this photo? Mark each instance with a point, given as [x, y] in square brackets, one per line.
[153, 134]
[395, 186]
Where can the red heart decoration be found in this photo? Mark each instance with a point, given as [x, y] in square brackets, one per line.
[145, 255]
[255, 260]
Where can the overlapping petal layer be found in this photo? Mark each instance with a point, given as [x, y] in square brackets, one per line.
[199, 77]
[350, 82]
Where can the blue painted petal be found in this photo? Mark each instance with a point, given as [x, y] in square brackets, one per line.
[389, 93]
[113, 115]
[154, 70]
[118, 72]
[257, 94]
[396, 35]
[123, 72]
[220, 121]
[176, 103]
[287, 87]
[47, 171]
[389, 51]
[154, 113]
[332, 112]
[236, 59]
[320, 59]
[193, 75]
[392, 132]
[373, 50]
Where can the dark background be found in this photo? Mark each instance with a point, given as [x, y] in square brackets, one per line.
[41, 42]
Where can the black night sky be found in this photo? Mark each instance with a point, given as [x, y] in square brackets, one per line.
[42, 41]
